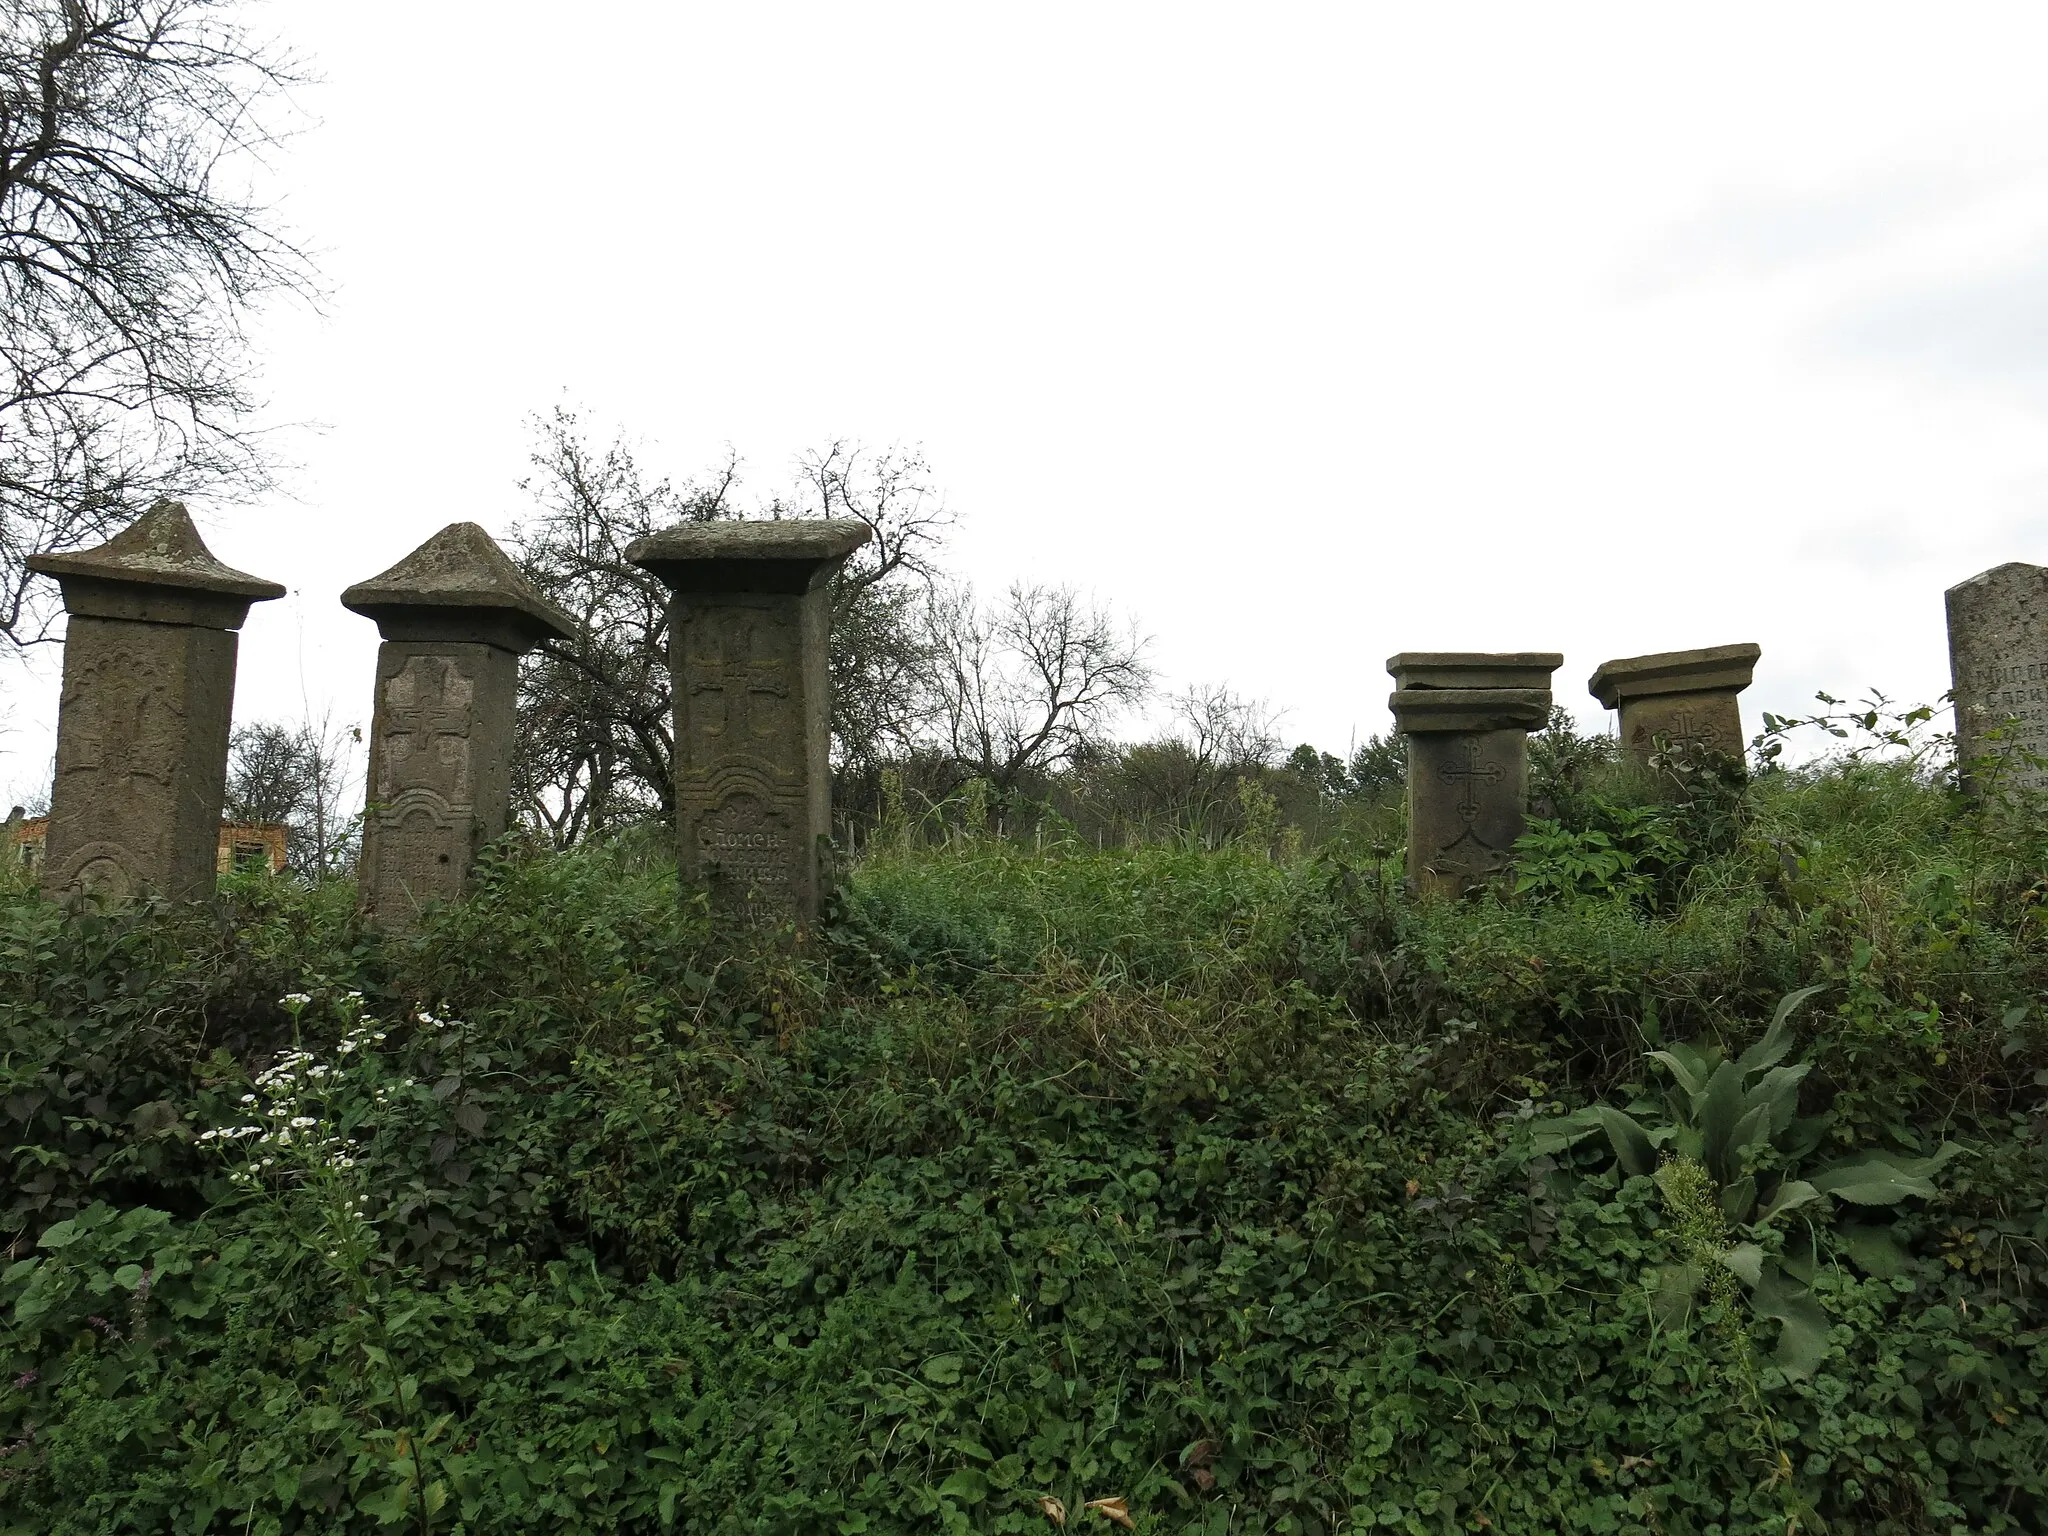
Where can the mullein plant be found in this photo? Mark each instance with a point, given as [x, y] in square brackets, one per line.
[1727, 1147]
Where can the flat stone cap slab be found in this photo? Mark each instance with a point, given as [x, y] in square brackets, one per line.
[1421, 710]
[1474, 669]
[461, 567]
[730, 555]
[161, 548]
[1710, 669]
[824, 538]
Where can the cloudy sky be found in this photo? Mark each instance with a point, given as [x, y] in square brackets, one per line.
[1305, 334]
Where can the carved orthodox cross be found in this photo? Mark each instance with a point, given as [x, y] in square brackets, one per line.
[735, 681]
[1471, 775]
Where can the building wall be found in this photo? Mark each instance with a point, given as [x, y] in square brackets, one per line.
[241, 842]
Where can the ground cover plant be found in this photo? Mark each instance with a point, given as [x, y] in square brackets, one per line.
[1168, 1188]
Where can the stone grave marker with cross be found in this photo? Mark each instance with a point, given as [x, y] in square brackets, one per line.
[749, 624]
[145, 712]
[455, 616]
[1467, 717]
[1678, 708]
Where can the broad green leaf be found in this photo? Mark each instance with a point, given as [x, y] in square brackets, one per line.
[1789, 1196]
[1746, 1260]
[943, 1370]
[1777, 1040]
[1687, 1065]
[1753, 1129]
[1803, 1343]
[1779, 1089]
[1874, 1250]
[1717, 1112]
[1553, 1136]
[1871, 1181]
[1803, 1135]
[1671, 1301]
[1739, 1199]
[1632, 1148]
[967, 1485]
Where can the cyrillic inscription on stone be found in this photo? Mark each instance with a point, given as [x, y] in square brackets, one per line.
[426, 846]
[746, 851]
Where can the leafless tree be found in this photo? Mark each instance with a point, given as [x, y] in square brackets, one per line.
[130, 253]
[878, 657]
[596, 739]
[308, 777]
[1030, 683]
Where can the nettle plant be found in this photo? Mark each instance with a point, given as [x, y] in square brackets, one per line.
[1728, 1148]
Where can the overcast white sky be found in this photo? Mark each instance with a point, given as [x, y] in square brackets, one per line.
[1304, 333]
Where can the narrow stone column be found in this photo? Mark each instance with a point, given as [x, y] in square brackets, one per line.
[143, 722]
[749, 635]
[1998, 664]
[1467, 717]
[455, 615]
[1685, 699]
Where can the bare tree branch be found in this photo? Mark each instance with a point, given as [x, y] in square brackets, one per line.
[129, 258]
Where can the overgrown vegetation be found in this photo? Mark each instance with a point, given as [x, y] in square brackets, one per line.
[1189, 1187]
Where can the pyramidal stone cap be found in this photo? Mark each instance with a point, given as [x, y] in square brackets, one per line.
[1473, 669]
[161, 548]
[463, 569]
[728, 555]
[1710, 669]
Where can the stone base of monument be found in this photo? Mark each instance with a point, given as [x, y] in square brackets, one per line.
[1679, 709]
[1467, 718]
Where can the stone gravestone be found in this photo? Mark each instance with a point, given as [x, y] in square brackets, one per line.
[1467, 717]
[147, 703]
[1684, 699]
[1998, 664]
[749, 631]
[455, 615]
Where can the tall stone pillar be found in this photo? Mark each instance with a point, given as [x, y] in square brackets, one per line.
[749, 632]
[1685, 699]
[142, 726]
[1467, 716]
[456, 616]
[1998, 663]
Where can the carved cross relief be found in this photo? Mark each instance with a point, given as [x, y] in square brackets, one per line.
[1688, 734]
[121, 712]
[427, 712]
[738, 684]
[1468, 850]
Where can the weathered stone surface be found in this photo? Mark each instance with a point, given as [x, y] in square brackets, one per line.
[1467, 717]
[146, 708]
[1473, 669]
[1685, 699]
[455, 615]
[1998, 666]
[749, 634]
